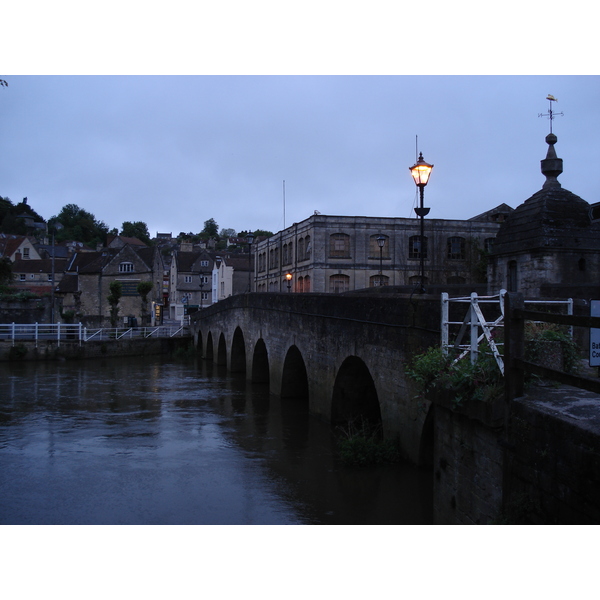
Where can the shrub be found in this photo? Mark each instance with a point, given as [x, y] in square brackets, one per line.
[361, 444]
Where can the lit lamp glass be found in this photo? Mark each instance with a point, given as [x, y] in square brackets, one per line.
[421, 171]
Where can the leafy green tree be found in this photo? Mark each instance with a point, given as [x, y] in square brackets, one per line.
[143, 289]
[137, 229]
[227, 233]
[116, 291]
[80, 225]
[6, 274]
[211, 229]
[9, 213]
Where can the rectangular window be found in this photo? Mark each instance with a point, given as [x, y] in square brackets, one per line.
[22, 277]
[188, 279]
[25, 252]
[204, 263]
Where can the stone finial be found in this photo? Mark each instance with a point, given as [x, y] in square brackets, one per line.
[552, 166]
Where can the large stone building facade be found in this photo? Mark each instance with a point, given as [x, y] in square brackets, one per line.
[338, 254]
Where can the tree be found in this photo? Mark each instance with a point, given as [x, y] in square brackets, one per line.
[227, 233]
[6, 272]
[116, 290]
[9, 213]
[143, 289]
[137, 229]
[211, 229]
[80, 225]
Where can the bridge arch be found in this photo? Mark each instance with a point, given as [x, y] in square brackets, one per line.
[260, 363]
[199, 345]
[294, 378]
[210, 347]
[238, 352]
[222, 350]
[354, 394]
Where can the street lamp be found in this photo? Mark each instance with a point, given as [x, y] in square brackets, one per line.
[249, 240]
[380, 243]
[56, 226]
[288, 276]
[420, 172]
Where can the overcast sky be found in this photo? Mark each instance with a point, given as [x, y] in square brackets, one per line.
[174, 151]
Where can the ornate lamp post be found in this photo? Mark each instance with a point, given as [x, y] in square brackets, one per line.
[288, 276]
[420, 172]
[249, 240]
[56, 226]
[380, 243]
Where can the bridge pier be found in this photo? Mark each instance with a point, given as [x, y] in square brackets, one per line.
[344, 355]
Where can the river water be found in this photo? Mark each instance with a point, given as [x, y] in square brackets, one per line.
[160, 441]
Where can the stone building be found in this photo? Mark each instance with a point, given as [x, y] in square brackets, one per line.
[190, 280]
[549, 246]
[338, 254]
[85, 287]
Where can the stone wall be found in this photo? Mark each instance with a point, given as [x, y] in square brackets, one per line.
[553, 463]
[50, 350]
[467, 462]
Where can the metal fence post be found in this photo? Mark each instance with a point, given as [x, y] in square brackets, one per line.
[474, 329]
[445, 325]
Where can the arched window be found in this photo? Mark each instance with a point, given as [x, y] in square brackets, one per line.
[339, 245]
[126, 267]
[456, 248]
[339, 284]
[301, 249]
[414, 246]
[307, 283]
[378, 280]
[300, 284]
[307, 248]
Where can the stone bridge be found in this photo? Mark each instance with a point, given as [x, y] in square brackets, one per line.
[343, 355]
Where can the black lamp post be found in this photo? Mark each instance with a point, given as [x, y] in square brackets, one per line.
[56, 226]
[249, 240]
[420, 172]
[380, 243]
[288, 276]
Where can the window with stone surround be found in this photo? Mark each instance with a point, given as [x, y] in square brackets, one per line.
[339, 245]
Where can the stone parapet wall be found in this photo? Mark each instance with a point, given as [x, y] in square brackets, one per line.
[50, 350]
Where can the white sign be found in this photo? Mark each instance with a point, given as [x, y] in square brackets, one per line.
[594, 335]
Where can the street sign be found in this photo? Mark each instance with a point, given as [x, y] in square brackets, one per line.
[594, 335]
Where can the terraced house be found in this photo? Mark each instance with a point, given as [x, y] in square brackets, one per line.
[85, 286]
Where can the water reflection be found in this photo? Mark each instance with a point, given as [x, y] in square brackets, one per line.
[154, 441]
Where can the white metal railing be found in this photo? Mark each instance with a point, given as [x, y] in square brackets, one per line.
[77, 332]
[474, 321]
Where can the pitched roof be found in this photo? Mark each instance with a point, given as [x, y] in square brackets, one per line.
[43, 265]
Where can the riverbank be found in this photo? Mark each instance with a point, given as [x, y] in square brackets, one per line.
[30, 350]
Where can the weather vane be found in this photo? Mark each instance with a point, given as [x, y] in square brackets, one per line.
[551, 114]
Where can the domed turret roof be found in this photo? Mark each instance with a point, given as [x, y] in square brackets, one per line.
[553, 218]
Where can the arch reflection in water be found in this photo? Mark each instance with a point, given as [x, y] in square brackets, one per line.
[154, 441]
